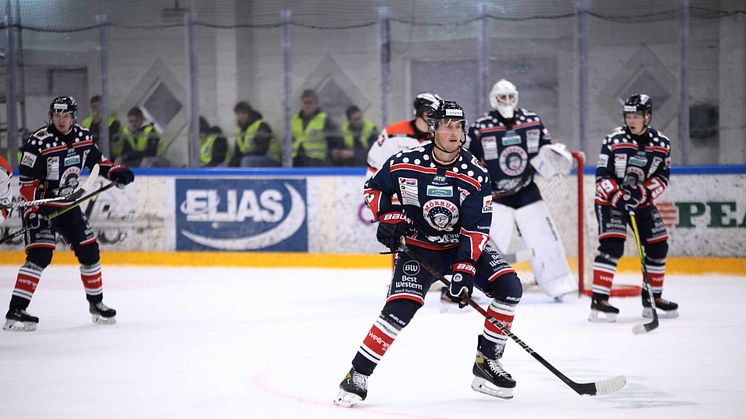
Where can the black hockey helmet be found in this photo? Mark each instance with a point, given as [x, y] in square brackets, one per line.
[638, 103]
[447, 109]
[425, 102]
[63, 104]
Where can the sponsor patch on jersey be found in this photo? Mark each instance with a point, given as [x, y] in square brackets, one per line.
[489, 146]
[603, 160]
[53, 168]
[409, 191]
[532, 140]
[411, 268]
[462, 194]
[440, 191]
[513, 161]
[441, 214]
[487, 204]
[439, 180]
[73, 160]
[28, 159]
[620, 165]
[511, 138]
[638, 160]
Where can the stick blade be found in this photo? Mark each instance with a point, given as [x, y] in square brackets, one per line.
[611, 385]
[642, 329]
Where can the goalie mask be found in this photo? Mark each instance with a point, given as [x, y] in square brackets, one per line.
[63, 105]
[425, 102]
[504, 98]
[639, 103]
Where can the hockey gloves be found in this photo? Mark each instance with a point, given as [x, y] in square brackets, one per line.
[462, 283]
[392, 226]
[628, 198]
[35, 220]
[121, 175]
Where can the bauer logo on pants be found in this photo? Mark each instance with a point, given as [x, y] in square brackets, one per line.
[241, 215]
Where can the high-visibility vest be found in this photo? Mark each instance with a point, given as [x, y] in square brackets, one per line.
[312, 137]
[139, 143]
[245, 141]
[115, 143]
[349, 136]
[206, 145]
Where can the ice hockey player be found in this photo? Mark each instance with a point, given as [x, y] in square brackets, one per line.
[444, 216]
[6, 196]
[632, 172]
[514, 145]
[404, 134]
[52, 160]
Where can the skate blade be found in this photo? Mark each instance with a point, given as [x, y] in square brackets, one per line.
[647, 313]
[601, 317]
[103, 320]
[480, 385]
[16, 326]
[347, 399]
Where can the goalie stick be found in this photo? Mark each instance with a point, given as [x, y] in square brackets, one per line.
[641, 329]
[584, 389]
[69, 198]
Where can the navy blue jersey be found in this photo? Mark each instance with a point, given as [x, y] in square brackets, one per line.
[507, 149]
[446, 207]
[645, 158]
[51, 163]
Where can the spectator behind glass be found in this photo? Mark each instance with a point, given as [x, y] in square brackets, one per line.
[255, 144]
[357, 136]
[314, 133]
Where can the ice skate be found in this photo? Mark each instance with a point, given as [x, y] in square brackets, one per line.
[101, 314]
[352, 390]
[666, 309]
[18, 319]
[490, 378]
[599, 307]
[449, 304]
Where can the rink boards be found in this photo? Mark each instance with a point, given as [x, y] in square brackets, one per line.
[316, 217]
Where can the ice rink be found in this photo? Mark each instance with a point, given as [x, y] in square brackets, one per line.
[274, 343]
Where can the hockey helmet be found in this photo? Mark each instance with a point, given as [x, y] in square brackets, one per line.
[425, 102]
[504, 98]
[639, 103]
[447, 110]
[63, 105]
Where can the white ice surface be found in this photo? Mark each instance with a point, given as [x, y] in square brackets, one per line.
[274, 343]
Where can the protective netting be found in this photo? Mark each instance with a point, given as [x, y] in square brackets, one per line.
[377, 55]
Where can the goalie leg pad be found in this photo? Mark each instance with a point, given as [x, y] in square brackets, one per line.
[501, 229]
[549, 263]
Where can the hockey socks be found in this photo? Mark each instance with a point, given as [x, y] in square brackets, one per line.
[94, 286]
[504, 313]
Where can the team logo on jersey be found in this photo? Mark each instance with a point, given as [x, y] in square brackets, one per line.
[442, 215]
[441, 191]
[68, 181]
[237, 215]
[513, 161]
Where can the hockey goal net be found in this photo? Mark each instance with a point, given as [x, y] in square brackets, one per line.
[570, 202]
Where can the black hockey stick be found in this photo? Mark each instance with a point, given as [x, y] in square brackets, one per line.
[61, 211]
[93, 174]
[584, 389]
[641, 329]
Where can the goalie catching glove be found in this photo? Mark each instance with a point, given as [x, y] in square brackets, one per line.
[392, 226]
[553, 159]
[462, 283]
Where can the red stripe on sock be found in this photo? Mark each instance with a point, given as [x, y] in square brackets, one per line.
[377, 341]
[505, 320]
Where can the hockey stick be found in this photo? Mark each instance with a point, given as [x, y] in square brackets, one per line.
[641, 329]
[584, 389]
[61, 211]
[70, 198]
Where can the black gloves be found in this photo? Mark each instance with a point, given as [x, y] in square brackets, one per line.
[462, 283]
[121, 175]
[34, 219]
[391, 227]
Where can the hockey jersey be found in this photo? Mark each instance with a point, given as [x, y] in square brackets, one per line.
[6, 197]
[627, 158]
[51, 163]
[507, 149]
[394, 138]
[446, 207]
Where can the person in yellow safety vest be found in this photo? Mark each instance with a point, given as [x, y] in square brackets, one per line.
[141, 141]
[255, 144]
[314, 133]
[358, 135]
[213, 146]
[93, 124]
